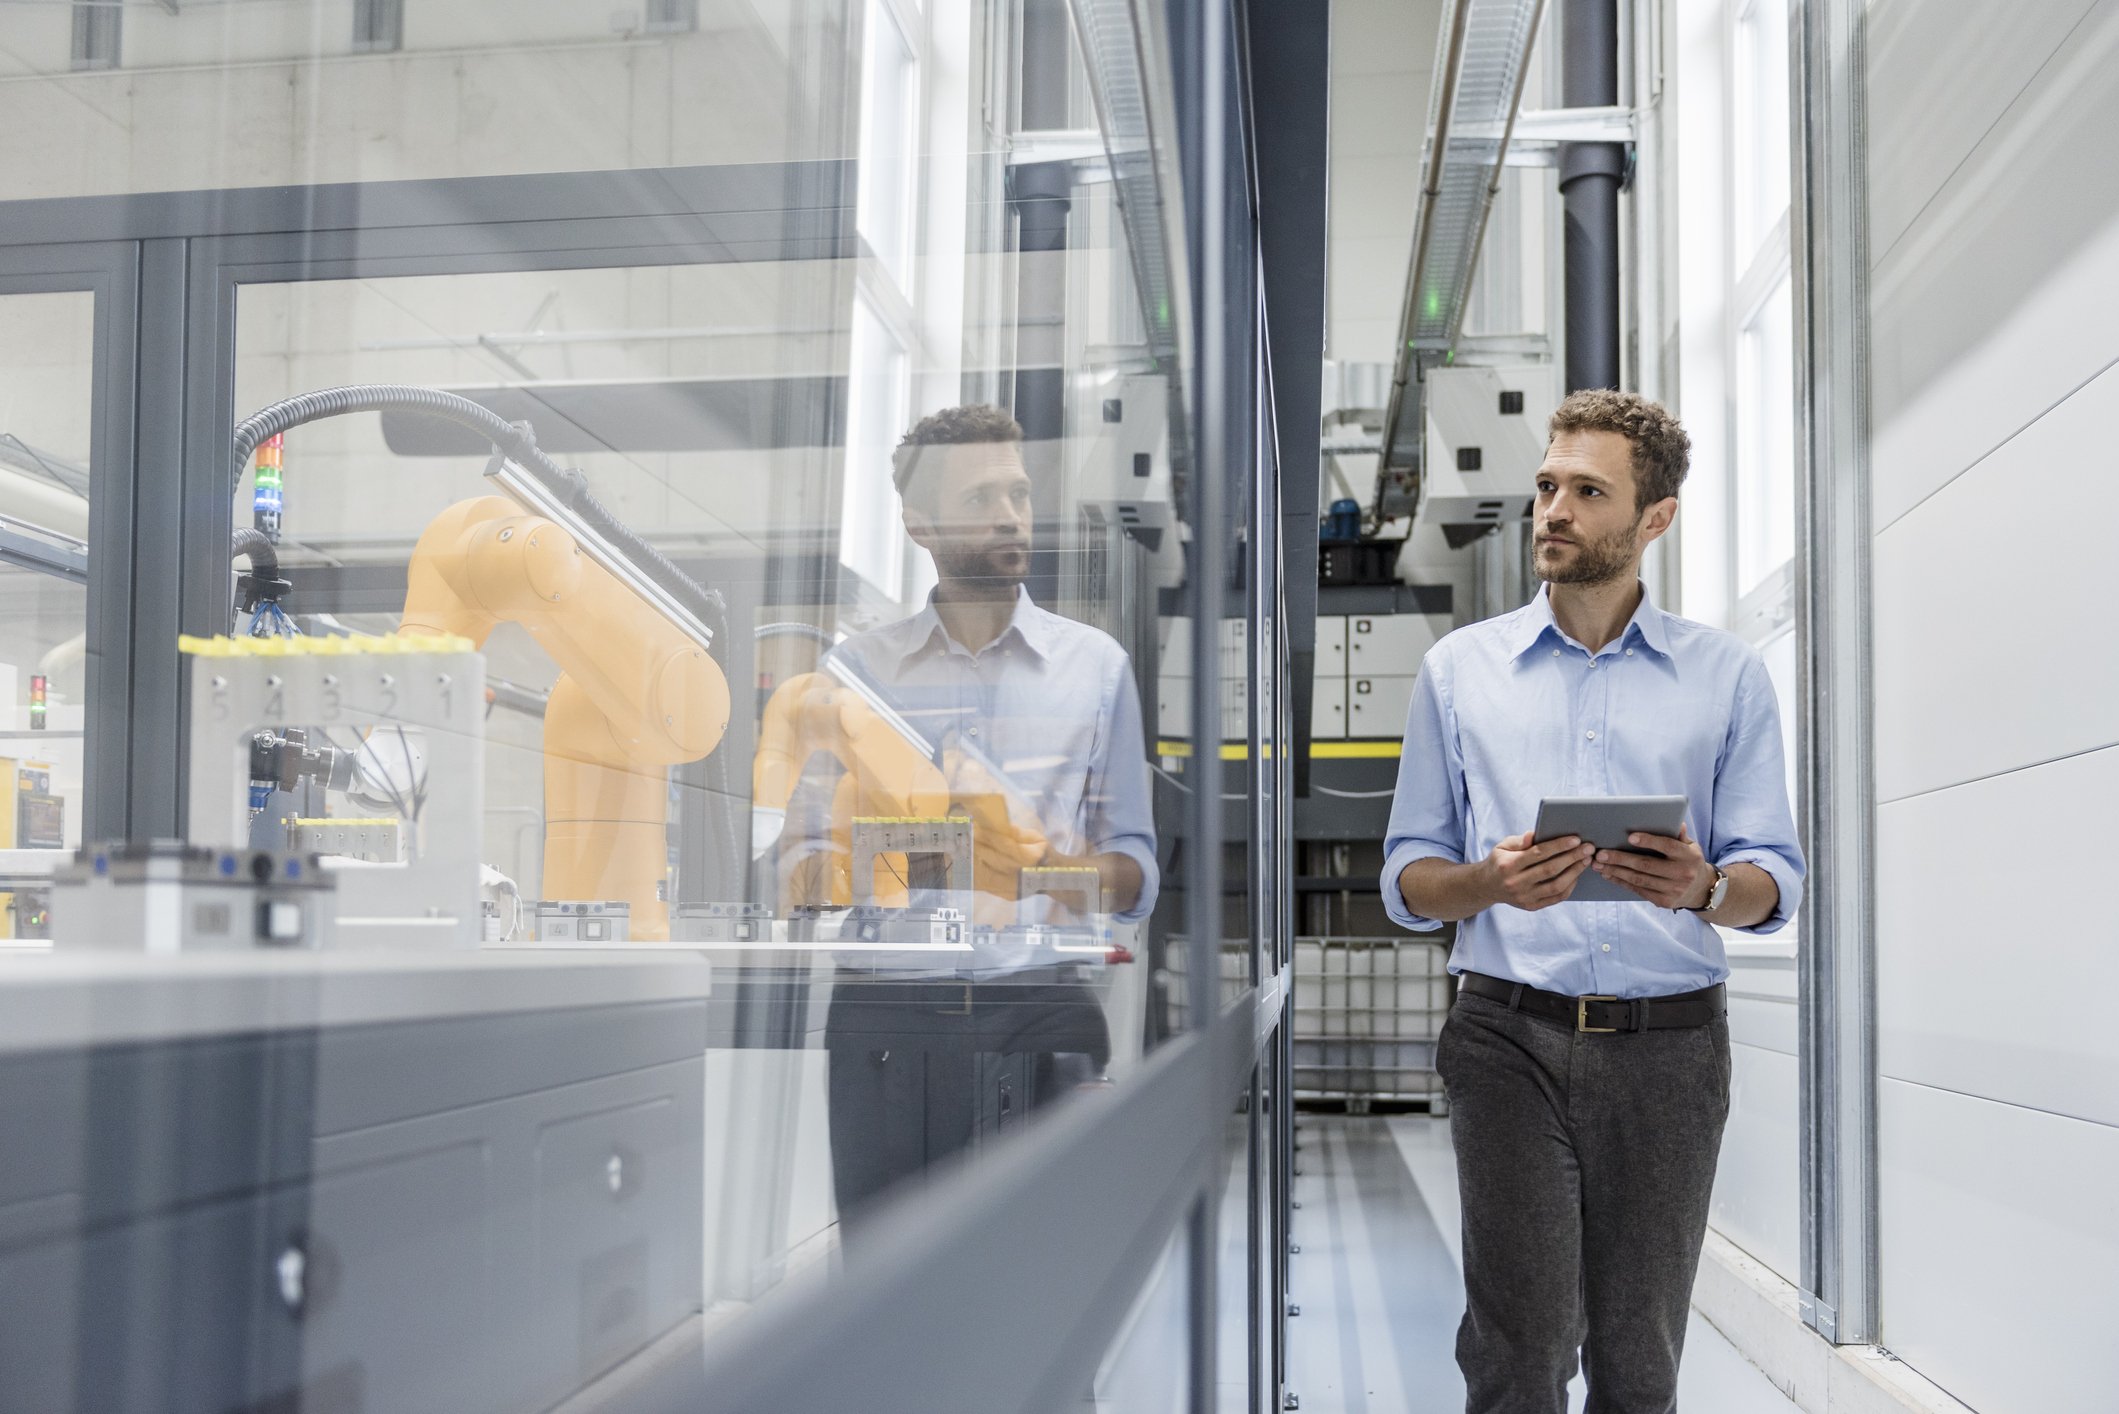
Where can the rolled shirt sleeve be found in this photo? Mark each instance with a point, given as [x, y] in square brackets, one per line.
[1427, 809]
[1752, 823]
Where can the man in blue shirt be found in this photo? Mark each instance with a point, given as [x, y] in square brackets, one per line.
[1587, 1057]
[1037, 721]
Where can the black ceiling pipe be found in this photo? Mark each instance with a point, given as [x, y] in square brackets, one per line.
[1590, 175]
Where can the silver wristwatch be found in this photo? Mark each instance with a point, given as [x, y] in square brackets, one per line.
[1716, 894]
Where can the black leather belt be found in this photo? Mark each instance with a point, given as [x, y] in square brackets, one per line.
[1602, 1015]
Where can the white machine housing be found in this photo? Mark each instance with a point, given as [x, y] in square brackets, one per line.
[1479, 463]
[1122, 471]
[435, 686]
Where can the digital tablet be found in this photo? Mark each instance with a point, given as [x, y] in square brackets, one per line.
[1605, 821]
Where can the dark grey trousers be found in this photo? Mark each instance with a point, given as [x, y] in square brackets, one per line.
[1584, 1163]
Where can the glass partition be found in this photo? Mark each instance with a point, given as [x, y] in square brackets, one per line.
[47, 381]
[691, 745]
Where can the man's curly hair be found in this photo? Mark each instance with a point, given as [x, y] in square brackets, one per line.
[951, 427]
[1662, 453]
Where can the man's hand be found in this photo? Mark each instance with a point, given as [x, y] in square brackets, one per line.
[1535, 876]
[1676, 875]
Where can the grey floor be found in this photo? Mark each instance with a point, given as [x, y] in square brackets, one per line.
[1379, 1287]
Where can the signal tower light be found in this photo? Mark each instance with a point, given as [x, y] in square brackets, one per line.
[36, 703]
[267, 499]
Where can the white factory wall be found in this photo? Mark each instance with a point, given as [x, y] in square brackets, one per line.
[1995, 344]
[241, 95]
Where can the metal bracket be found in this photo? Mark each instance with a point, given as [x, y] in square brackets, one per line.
[1538, 134]
[1575, 125]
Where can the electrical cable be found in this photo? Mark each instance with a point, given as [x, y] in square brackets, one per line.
[514, 440]
[412, 780]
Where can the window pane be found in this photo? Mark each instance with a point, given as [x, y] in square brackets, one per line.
[1765, 500]
[46, 350]
[1762, 153]
[874, 544]
[889, 93]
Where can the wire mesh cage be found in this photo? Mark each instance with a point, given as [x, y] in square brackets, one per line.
[1367, 1012]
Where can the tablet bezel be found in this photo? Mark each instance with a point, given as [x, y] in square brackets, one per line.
[1605, 821]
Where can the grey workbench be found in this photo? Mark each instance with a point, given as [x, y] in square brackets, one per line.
[344, 1181]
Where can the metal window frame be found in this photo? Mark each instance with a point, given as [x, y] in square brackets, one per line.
[1836, 1005]
[667, 16]
[173, 264]
[98, 26]
[378, 26]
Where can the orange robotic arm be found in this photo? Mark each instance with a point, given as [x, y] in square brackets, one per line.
[885, 773]
[635, 695]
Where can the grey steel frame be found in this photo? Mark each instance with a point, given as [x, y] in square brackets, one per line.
[1086, 1200]
[167, 267]
[1836, 1004]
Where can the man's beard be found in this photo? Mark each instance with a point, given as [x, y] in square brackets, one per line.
[1595, 561]
[983, 571]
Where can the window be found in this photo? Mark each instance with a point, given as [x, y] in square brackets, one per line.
[1762, 507]
[1762, 157]
[672, 16]
[872, 542]
[889, 105]
[97, 27]
[378, 26]
[1765, 419]
[46, 459]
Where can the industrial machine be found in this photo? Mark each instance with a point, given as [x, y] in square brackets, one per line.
[424, 690]
[29, 831]
[1485, 440]
[367, 753]
[637, 692]
[167, 897]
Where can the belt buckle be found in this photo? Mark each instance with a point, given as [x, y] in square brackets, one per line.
[1582, 1026]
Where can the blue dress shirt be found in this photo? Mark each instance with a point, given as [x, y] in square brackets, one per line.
[1051, 704]
[1512, 710]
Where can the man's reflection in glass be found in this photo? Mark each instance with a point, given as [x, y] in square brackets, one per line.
[1037, 724]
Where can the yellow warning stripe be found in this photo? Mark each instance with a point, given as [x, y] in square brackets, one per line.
[1319, 750]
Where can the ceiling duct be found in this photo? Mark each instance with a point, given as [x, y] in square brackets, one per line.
[1478, 85]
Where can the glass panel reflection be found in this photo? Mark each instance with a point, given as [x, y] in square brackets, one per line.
[47, 383]
[697, 743]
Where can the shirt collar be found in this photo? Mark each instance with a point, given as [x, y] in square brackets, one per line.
[1029, 625]
[1649, 624]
